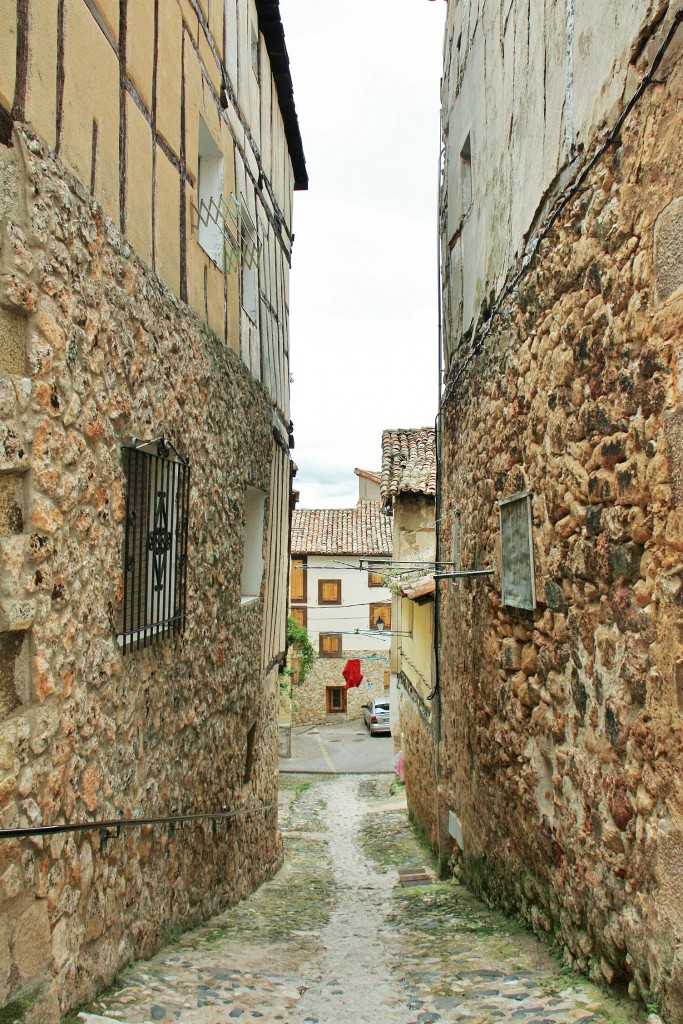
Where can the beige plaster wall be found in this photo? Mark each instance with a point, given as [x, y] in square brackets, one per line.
[126, 121]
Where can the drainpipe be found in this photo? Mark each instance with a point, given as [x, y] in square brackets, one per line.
[436, 707]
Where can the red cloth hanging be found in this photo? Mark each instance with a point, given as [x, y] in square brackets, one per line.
[352, 673]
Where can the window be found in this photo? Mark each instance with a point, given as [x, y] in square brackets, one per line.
[335, 700]
[252, 563]
[210, 189]
[300, 615]
[249, 259]
[380, 610]
[387, 678]
[516, 552]
[375, 580]
[155, 544]
[298, 580]
[329, 591]
[466, 175]
[329, 645]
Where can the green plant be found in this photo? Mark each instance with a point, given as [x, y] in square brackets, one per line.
[297, 637]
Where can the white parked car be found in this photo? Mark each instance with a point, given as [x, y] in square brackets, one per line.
[377, 715]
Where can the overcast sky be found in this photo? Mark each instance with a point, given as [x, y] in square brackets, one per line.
[363, 313]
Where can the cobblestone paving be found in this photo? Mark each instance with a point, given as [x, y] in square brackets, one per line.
[333, 939]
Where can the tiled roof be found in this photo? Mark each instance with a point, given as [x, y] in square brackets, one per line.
[369, 475]
[408, 462]
[425, 587]
[362, 530]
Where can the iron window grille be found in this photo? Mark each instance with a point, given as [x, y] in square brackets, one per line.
[155, 545]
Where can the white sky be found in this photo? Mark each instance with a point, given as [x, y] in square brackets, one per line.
[363, 323]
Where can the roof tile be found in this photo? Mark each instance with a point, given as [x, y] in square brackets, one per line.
[362, 530]
[408, 462]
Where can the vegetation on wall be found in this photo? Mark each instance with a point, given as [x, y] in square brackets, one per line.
[298, 638]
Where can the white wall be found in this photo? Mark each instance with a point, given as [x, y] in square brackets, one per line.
[355, 593]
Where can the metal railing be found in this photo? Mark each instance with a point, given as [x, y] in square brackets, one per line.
[111, 828]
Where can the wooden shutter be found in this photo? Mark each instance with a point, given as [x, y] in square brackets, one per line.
[380, 610]
[329, 591]
[329, 645]
[375, 580]
[298, 579]
[300, 615]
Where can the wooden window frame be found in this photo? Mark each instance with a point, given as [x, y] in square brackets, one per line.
[329, 710]
[374, 608]
[375, 579]
[304, 569]
[303, 612]
[329, 654]
[321, 599]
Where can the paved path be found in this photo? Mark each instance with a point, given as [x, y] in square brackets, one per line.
[334, 939]
[347, 747]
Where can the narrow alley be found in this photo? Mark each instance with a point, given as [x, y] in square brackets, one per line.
[336, 938]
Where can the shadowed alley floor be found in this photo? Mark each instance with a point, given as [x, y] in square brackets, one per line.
[335, 938]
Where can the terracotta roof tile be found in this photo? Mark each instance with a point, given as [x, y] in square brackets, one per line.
[421, 588]
[408, 462]
[362, 530]
[368, 474]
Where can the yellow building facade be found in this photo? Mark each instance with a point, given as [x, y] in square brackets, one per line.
[180, 124]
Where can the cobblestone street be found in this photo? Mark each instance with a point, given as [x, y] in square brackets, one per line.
[336, 939]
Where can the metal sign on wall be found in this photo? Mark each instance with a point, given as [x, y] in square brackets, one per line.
[517, 551]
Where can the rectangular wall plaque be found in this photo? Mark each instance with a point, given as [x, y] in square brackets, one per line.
[517, 551]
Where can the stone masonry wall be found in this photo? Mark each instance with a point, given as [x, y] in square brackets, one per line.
[308, 699]
[417, 745]
[94, 349]
[562, 731]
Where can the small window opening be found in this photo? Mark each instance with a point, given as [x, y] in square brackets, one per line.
[466, 174]
[249, 757]
[155, 544]
[252, 565]
[210, 188]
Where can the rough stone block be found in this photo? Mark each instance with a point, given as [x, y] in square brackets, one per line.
[13, 331]
[32, 943]
[593, 520]
[511, 654]
[624, 561]
[11, 645]
[11, 505]
[668, 251]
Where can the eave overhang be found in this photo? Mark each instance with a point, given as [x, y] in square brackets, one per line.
[270, 24]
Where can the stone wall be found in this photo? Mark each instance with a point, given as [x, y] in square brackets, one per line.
[94, 349]
[562, 732]
[419, 756]
[308, 699]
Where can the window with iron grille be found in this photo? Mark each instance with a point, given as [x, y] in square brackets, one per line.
[155, 545]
